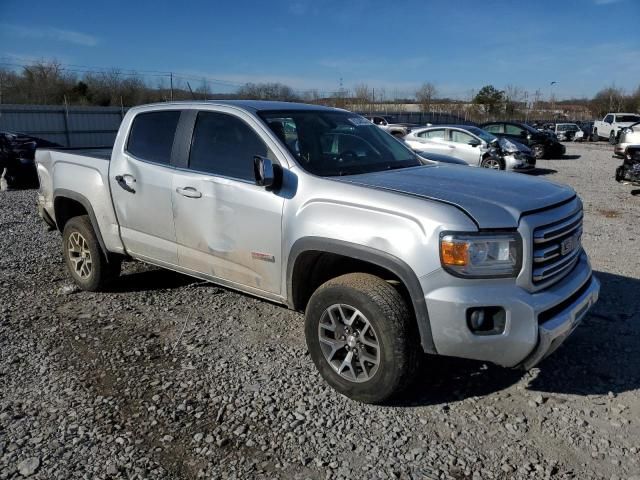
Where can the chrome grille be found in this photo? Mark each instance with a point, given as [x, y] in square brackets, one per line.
[556, 249]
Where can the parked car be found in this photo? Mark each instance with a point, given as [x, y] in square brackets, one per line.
[387, 257]
[587, 129]
[629, 171]
[17, 152]
[628, 136]
[541, 144]
[610, 126]
[568, 132]
[473, 145]
[388, 125]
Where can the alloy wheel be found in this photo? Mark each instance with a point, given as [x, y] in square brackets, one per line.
[79, 255]
[349, 343]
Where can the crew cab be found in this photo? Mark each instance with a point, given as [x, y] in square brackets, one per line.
[609, 127]
[319, 210]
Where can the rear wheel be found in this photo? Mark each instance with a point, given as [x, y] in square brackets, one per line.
[85, 260]
[361, 337]
[538, 151]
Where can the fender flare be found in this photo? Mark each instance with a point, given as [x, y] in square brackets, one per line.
[376, 257]
[82, 200]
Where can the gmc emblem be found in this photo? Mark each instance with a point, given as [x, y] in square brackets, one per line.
[568, 245]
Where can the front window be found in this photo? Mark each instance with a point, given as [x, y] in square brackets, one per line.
[330, 143]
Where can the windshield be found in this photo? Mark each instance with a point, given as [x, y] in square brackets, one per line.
[627, 118]
[330, 143]
[568, 127]
[478, 132]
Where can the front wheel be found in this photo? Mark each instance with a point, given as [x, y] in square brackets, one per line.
[85, 260]
[612, 138]
[492, 163]
[362, 338]
[594, 136]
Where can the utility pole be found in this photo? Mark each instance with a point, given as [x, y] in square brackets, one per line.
[171, 85]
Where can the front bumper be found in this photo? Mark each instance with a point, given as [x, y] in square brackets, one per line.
[620, 148]
[526, 339]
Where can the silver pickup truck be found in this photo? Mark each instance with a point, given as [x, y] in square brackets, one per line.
[322, 211]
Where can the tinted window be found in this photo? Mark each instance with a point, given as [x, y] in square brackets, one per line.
[460, 137]
[224, 145]
[439, 133]
[514, 130]
[151, 136]
[495, 128]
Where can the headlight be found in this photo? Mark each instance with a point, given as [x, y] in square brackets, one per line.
[481, 255]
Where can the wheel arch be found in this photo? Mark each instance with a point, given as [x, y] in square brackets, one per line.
[306, 272]
[68, 204]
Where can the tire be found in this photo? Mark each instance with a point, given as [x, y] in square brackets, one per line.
[369, 318]
[612, 138]
[86, 263]
[594, 136]
[493, 163]
[538, 151]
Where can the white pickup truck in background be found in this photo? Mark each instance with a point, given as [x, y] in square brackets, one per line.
[611, 125]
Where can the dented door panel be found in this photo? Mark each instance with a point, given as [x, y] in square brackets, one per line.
[232, 231]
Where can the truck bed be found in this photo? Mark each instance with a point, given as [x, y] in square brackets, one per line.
[100, 153]
[81, 175]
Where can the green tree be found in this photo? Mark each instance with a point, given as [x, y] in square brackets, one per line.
[490, 98]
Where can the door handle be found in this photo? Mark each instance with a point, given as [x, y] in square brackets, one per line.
[189, 192]
[125, 181]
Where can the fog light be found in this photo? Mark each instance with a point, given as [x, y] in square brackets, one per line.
[486, 320]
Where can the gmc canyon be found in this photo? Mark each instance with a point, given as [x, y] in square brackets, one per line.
[320, 210]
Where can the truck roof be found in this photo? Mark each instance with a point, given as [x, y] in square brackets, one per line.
[249, 105]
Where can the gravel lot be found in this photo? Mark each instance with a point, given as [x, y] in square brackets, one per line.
[169, 377]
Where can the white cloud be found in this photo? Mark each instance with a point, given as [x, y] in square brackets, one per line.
[50, 33]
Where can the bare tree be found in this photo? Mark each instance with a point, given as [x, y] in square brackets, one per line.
[425, 96]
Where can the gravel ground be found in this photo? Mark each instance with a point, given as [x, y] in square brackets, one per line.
[168, 377]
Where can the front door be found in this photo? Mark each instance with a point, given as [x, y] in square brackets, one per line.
[227, 228]
[141, 181]
[466, 147]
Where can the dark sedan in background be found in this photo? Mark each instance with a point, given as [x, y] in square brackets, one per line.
[17, 153]
[541, 143]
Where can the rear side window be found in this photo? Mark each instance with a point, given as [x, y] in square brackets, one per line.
[224, 145]
[514, 130]
[151, 136]
[495, 128]
[433, 134]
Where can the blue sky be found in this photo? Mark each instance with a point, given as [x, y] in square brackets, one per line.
[459, 46]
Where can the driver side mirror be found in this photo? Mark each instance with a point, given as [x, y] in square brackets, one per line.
[474, 142]
[267, 174]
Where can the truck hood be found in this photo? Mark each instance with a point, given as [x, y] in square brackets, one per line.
[493, 199]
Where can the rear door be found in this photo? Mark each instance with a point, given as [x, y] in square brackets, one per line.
[433, 140]
[228, 229]
[141, 179]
